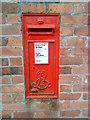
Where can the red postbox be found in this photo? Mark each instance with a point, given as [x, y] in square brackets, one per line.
[41, 54]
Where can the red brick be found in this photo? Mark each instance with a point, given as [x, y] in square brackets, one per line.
[1, 98]
[72, 19]
[65, 88]
[14, 41]
[0, 31]
[23, 115]
[7, 7]
[54, 105]
[4, 41]
[27, 104]
[6, 79]
[6, 98]
[80, 51]
[16, 70]
[70, 96]
[85, 96]
[85, 112]
[34, 8]
[81, 8]
[11, 52]
[65, 70]
[70, 79]
[81, 31]
[65, 51]
[12, 70]
[64, 105]
[80, 104]
[1, 114]
[72, 42]
[12, 18]
[39, 106]
[89, 51]
[80, 88]
[12, 89]
[80, 70]
[2, 19]
[13, 106]
[66, 31]
[6, 71]
[17, 79]
[16, 61]
[47, 114]
[43, 105]
[60, 8]
[18, 97]
[6, 114]
[88, 8]
[88, 30]
[0, 88]
[1, 40]
[70, 113]
[71, 60]
[87, 60]
[11, 30]
[4, 61]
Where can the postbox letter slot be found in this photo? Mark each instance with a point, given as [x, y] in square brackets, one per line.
[41, 29]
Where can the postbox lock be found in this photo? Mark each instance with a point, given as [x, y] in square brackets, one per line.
[33, 68]
[40, 20]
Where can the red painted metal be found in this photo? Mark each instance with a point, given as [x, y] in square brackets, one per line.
[41, 80]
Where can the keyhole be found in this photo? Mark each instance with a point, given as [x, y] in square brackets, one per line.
[33, 68]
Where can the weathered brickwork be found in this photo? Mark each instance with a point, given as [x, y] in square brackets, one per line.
[73, 62]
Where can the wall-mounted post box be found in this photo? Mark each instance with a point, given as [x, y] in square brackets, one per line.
[41, 55]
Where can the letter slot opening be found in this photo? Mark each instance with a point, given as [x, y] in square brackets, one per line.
[38, 29]
[41, 30]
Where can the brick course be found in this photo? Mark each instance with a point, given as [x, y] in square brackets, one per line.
[23, 115]
[6, 79]
[73, 61]
[72, 42]
[10, 7]
[61, 8]
[6, 114]
[16, 61]
[72, 113]
[12, 19]
[17, 79]
[34, 8]
[11, 51]
[14, 41]
[73, 20]
[10, 30]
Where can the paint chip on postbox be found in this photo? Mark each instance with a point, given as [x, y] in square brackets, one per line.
[41, 52]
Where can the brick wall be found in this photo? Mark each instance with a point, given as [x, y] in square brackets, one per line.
[73, 64]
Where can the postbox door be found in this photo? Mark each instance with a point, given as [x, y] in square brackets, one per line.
[41, 55]
[41, 64]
